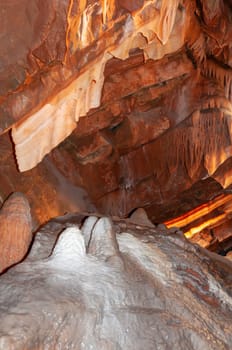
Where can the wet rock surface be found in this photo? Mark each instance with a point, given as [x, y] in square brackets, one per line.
[88, 287]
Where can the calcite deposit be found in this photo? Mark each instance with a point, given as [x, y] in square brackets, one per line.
[121, 285]
[107, 106]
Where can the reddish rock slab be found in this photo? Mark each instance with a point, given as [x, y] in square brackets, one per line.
[15, 230]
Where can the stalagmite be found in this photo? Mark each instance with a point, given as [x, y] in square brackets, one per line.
[107, 106]
[170, 294]
[69, 249]
[103, 243]
[87, 229]
[15, 230]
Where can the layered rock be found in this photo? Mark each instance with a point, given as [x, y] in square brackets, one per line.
[151, 82]
[117, 30]
[209, 224]
[139, 289]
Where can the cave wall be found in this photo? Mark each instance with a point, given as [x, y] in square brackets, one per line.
[129, 103]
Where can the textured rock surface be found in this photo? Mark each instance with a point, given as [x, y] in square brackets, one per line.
[149, 290]
[208, 224]
[48, 191]
[15, 230]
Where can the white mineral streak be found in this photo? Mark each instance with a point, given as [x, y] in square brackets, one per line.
[45, 129]
[74, 300]
[216, 288]
[156, 264]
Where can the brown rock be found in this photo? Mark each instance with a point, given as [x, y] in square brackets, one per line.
[15, 230]
[139, 217]
[152, 83]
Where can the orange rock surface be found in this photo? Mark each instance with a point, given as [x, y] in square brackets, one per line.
[129, 100]
[15, 230]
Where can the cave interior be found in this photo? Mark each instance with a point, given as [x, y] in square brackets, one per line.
[116, 109]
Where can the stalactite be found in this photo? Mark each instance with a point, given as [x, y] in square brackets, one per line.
[197, 48]
[57, 119]
[206, 139]
[108, 10]
[223, 75]
[167, 19]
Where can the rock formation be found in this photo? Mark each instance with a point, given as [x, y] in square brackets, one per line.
[138, 289]
[107, 106]
[116, 105]
[15, 230]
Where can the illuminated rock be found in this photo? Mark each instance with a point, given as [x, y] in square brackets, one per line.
[167, 293]
[129, 100]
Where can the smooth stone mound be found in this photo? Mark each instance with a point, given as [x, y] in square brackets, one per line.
[103, 243]
[87, 228]
[169, 296]
[69, 248]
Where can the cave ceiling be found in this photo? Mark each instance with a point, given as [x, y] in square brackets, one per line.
[112, 105]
